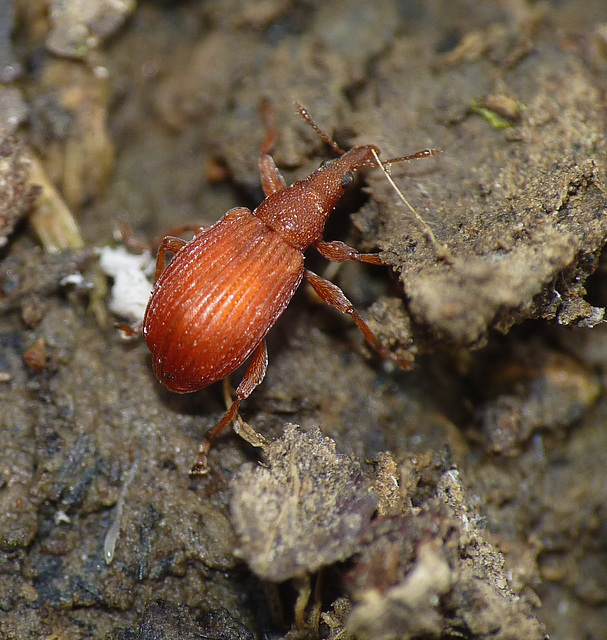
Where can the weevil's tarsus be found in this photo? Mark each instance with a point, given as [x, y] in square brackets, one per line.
[170, 244]
[242, 428]
[123, 233]
[130, 331]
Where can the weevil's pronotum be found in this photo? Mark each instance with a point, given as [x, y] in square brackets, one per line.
[214, 303]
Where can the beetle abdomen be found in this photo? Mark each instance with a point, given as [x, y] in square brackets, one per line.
[235, 279]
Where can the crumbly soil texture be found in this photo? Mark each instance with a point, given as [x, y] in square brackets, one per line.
[463, 499]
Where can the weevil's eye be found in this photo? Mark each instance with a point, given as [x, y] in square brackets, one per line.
[346, 181]
[325, 164]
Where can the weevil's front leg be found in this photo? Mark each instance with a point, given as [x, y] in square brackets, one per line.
[337, 251]
[333, 295]
[271, 178]
[252, 378]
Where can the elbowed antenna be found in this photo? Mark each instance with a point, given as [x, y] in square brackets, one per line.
[441, 251]
[424, 153]
[303, 112]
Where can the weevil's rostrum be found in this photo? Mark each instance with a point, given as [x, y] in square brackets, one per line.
[212, 307]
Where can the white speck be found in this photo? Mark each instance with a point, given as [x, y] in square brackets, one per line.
[77, 280]
[61, 516]
[132, 288]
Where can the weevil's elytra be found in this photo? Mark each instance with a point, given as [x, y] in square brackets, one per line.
[213, 305]
[234, 279]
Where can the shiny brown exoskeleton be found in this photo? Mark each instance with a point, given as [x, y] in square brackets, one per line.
[213, 305]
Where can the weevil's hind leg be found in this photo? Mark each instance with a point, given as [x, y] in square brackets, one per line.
[271, 178]
[337, 251]
[129, 239]
[170, 244]
[242, 428]
[333, 295]
[252, 378]
[136, 244]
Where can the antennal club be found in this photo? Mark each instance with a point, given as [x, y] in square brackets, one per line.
[424, 153]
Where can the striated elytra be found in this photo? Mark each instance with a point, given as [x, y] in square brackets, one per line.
[214, 303]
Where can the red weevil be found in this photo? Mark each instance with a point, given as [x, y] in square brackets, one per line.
[214, 303]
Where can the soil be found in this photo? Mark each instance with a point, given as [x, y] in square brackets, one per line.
[463, 499]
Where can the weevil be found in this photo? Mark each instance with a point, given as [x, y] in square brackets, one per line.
[213, 305]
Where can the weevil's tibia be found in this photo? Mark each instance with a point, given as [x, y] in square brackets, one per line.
[170, 244]
[337, 251]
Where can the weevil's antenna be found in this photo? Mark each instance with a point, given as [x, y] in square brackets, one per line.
[441, 250]
[303, 112]
[424, 153]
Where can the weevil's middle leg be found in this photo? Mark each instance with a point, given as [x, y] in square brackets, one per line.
[185, 228]
[334, 296]
[171, 244]
[252, 378]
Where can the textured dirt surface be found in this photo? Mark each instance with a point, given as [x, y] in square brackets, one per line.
[490, 519]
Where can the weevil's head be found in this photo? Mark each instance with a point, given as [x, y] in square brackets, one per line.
[300, 212]
[334, 176]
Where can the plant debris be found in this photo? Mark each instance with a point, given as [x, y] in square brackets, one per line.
[526, 226]
[429, 573]
[16, 193]
[305, 510]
